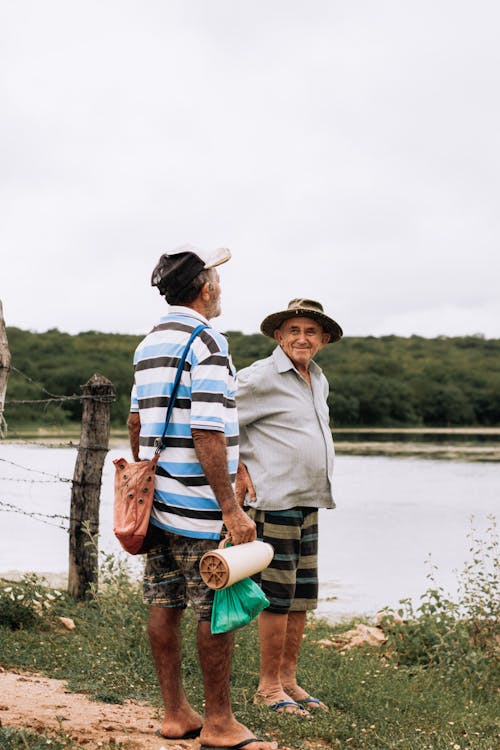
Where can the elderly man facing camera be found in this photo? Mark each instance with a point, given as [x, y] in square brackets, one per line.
[193, 490]
[284, 476]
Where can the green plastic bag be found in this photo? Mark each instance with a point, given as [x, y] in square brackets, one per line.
[237, 605]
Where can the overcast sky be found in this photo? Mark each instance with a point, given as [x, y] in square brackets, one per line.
[347, 151]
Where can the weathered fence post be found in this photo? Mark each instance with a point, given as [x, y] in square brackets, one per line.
[98, 395]
[4, 371]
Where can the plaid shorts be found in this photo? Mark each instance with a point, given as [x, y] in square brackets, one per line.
[172, 574]
[291, 580]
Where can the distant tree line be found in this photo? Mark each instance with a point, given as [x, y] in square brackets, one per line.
[386, 381]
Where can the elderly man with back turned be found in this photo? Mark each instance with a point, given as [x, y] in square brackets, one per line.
[284, 476]
[193, 490]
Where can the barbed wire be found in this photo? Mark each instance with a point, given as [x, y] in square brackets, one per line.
[13, 440]
[49, 518]
[36, 471]
[42, 517]
[31, 481]
[58, 399]
[10, 508]
[53, 398]
[30, 380]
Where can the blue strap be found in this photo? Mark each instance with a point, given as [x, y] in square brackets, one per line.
[160, 442]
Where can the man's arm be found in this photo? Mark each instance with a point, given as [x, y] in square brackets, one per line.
[134, 429]
[210, 447]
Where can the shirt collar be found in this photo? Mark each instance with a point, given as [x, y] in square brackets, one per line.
[284, 363]
[188, 311]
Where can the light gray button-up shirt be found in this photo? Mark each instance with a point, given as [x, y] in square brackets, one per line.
[285, 437]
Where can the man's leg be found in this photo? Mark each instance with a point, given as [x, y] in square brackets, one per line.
[220, 728]
[294, 634]
[282, 530]
[293, 640]
[272, 636]
[305, 595]
[165, 639]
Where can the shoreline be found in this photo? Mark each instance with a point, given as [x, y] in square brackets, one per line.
[483, 445]
[437, 451]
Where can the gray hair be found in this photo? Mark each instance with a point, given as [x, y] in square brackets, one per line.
[189, 293]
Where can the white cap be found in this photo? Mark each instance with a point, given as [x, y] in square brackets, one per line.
[210, 259]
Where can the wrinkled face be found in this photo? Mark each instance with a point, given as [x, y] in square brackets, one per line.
[301, 338]
[214, 303]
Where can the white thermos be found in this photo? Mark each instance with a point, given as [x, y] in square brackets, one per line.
[224, 566]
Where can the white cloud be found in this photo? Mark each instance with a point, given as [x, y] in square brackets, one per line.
[349, 152]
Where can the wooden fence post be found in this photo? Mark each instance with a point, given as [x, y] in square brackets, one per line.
[4, 371]
[98, 395]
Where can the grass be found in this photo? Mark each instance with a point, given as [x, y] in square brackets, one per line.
[426, 689]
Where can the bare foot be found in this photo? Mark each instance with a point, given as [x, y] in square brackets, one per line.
[304, 699]
[187, 726]
[228, 736]
[280, 702]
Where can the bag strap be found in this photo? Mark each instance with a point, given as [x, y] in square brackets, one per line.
[159, 443]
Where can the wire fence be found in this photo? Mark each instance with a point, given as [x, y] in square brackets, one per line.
[96, 398]
[8, 507]
[51, 398]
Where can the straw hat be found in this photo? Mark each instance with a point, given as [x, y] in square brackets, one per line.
[305, 308]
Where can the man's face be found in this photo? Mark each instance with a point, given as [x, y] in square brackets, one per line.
[301, 338]
[214, 304]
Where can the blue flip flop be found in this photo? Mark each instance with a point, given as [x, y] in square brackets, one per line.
[304, 702]
[283, 704]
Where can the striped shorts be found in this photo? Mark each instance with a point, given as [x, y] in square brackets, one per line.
[291, 580]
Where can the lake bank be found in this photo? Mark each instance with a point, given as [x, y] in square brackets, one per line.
[447, 443]
[451, 443]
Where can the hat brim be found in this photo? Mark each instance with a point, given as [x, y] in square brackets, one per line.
[274, 321]
[219, 256]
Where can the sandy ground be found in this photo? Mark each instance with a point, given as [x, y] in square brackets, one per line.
[40, 704]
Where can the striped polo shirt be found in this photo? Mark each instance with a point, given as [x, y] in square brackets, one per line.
[184, 502]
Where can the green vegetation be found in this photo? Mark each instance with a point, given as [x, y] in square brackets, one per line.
[17, 739]
[433, 686]
[388, 381]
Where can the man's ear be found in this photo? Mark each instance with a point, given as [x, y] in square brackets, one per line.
[278, 335]
[205, 290]
[326, 338]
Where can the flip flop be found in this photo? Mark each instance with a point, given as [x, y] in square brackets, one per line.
[304, 702]
[191, 735]
[279, 705]
[238, 745]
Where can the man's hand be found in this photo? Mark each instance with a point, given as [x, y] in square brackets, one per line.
[244, 485]
[241, 528]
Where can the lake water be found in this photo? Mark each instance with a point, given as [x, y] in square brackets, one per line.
[392, 513]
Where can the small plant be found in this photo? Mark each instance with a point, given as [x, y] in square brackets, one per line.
[460, 639]
[117, 592]
[25, 603]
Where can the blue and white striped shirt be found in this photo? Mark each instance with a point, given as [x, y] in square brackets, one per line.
[184, 502]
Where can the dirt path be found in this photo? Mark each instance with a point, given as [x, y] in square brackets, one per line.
[41, 704]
